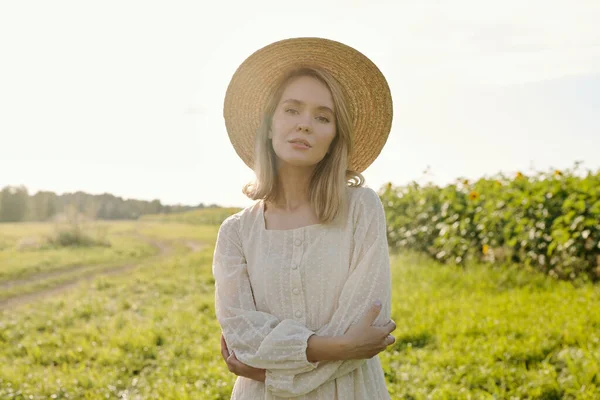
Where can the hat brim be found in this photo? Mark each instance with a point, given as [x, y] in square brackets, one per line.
[367, 91]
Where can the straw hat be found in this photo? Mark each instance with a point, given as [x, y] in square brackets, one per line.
[368, 94]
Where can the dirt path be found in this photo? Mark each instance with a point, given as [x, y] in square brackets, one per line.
[195, 246]
[164, 250]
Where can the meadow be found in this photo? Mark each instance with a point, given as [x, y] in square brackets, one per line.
[76, 324]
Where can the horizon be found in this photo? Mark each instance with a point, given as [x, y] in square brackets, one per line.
[136, 111]
[532, 171]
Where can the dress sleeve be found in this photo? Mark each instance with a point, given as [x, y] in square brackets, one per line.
[369, 280]
[258, 339]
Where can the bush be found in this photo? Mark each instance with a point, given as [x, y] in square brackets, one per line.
[74, 229]
[549, 221]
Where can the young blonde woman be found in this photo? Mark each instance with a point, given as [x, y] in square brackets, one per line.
[302, 277]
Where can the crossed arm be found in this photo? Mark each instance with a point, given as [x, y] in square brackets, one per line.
[365, 341]
[297, 360]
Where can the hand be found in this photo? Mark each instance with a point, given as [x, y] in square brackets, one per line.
[363, 340]
[238, 367]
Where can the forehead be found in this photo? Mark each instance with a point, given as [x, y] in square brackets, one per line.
[308, 89]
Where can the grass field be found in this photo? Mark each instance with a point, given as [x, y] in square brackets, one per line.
[149, 332]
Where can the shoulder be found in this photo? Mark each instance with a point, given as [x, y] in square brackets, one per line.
[363, 203]
[363, 197]
[235, 223]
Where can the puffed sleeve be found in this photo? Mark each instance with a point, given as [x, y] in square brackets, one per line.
[258, 339]
[369, 280]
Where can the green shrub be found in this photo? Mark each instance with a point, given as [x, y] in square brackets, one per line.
[74, 229]
[549, 221]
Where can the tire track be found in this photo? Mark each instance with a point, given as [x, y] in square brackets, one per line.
[164, 250]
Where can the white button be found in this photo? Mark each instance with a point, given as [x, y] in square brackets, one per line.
[294, 266]
[296, 291]
[298, 314]
[298, 242]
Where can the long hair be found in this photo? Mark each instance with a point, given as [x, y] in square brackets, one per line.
[331, 175]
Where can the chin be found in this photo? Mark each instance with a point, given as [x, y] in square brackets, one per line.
[298, 161]
[301, 163]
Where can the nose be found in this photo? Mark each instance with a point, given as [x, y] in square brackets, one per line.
[303, 127]
[304, 123]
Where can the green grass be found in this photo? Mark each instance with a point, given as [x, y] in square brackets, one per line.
[474, 333]
[151, 331]
[206, 216]
[492, 333]
[19, 263]
[177, 231]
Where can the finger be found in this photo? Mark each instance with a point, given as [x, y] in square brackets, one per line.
[224, 345]
[236, 364]
[224, 354]
[240, 366]
[232, 366]
[233, 363]
[232, 356]
[390, 326]
[371, 314]
[390, 340]
[223, 339]
[224, 350]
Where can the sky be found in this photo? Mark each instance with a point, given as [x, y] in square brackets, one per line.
[126, 97]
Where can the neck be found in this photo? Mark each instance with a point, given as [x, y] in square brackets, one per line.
[293, 183]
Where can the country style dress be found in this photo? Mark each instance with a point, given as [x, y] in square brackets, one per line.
[276, 288]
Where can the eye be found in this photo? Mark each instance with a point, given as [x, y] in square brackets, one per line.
[291, 110]
[323, 119]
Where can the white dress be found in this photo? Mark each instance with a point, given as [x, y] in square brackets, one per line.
[276, 288]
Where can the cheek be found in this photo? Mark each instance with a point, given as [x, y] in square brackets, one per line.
[278, 127]
[327, 134]
[278, 137]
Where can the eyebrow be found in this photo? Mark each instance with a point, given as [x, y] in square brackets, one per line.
[325, 108]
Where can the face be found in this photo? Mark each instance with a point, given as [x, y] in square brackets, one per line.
[304, 113]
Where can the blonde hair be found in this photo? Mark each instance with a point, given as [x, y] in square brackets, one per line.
[331, 176]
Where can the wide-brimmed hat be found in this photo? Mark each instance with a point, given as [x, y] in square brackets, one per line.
[367, 91]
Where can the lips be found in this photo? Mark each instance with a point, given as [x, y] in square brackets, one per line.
[300, 141]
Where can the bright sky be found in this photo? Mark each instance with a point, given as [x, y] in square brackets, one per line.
[126, 97]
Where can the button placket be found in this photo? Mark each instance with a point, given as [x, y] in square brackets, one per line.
[298, 305]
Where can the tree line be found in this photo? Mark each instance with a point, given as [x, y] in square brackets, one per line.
[16, 204]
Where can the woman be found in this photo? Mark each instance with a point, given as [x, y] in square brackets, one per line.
[302, 277]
